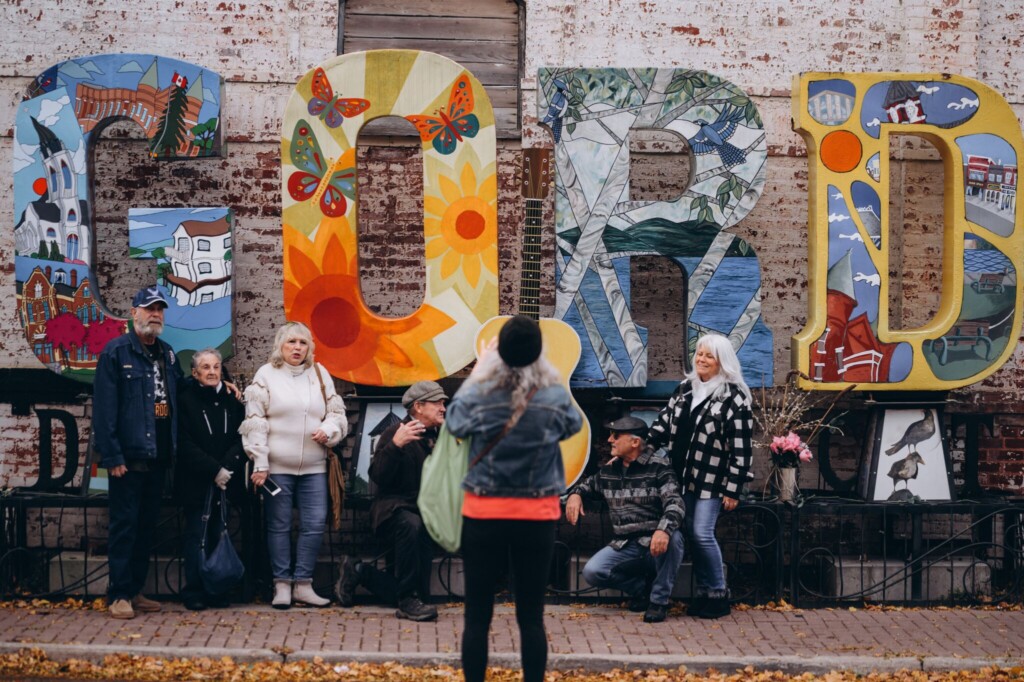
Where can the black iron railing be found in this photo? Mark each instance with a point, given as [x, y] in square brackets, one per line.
[827, 551]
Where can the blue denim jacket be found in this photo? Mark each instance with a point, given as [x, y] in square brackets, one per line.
[527, 462]
[123, 411]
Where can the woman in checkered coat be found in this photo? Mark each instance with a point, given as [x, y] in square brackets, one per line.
[706, 428]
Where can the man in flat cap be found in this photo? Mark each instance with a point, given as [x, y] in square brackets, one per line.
[646, 509]
[134, 430]
[396, 468]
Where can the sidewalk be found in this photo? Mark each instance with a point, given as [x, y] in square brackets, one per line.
[593, 637]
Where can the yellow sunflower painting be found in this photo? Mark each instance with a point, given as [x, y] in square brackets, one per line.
[461, 227]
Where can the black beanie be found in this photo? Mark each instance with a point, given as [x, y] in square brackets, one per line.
[519, 341]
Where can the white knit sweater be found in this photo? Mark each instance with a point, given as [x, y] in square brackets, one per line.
[283, 408]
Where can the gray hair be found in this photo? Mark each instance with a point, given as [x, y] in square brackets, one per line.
[728, 363]
[520, 381]
[285, 332]
[206, 351]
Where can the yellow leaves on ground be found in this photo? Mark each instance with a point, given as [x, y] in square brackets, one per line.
[35, 663]
[70, 604]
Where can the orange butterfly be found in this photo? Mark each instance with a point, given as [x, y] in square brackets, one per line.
[330, 107]
[449, 127]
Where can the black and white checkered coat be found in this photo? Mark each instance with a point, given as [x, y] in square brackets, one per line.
[716, 462]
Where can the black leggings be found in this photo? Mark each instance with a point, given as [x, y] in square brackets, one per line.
[488, 547]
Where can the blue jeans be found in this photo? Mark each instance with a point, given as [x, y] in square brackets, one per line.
[701, 518]
[308, 492]
[627, 569]
[134, 500]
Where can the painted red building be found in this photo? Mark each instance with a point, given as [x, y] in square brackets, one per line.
[47, 294]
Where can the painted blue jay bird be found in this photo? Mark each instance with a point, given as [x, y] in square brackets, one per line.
[556, 109]
[712, 137]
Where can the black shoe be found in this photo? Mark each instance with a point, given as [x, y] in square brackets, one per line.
[345, 588]
[194, 604]
[218, 601]
[656, 613]
[697, 606]
[638, 604]
[716, 607]
[411, 608]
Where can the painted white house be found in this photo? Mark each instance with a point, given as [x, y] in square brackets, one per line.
[200, 264]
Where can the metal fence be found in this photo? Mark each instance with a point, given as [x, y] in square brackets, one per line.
[827, 551]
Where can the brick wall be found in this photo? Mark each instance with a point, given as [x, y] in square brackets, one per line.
[263, 48]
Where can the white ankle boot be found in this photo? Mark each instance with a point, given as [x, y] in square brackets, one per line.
[304, 594]
[282, 594]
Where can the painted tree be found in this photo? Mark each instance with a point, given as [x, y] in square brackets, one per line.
[100, 333]
[66, 332]
[205, 133]
[170, 134]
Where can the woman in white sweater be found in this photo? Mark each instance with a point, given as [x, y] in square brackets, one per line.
[293, 416]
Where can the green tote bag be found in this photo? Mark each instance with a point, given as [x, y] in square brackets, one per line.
[440, 497]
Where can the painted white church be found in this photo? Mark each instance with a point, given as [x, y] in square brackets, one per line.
[60, 217]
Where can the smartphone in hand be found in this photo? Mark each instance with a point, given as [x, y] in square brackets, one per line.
[270, 487]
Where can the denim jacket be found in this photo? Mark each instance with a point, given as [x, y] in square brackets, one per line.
[527, 462]
[123, 411]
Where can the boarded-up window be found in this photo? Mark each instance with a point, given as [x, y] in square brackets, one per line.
[481, 35]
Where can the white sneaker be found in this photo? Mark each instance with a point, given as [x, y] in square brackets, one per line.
[282, 594]
[304, 594]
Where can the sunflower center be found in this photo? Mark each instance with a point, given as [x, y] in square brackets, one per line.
[335, 322]
[469, 225]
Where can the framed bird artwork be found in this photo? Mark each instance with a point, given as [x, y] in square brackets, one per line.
[906, 455]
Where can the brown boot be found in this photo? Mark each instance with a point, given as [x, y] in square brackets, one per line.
[143, 605]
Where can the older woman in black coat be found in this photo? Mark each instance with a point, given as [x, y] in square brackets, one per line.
[209, 454]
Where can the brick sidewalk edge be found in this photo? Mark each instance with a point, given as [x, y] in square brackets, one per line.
[587, 662]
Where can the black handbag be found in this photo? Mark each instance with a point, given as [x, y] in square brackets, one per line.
[219, 567]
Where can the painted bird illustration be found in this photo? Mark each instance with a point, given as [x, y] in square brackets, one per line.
[712, 137]
[905, 469]
[916, 433]
[556, 109]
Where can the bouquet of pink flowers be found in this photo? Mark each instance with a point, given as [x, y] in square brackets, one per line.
[789, 450]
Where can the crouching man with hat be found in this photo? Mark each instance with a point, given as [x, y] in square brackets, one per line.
[646, 510]
[396, 468]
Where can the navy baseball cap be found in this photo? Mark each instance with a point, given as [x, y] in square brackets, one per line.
[146, 297]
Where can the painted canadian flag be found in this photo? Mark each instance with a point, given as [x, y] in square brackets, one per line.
[179, 80]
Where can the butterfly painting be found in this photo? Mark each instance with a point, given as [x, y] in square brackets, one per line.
[333, 109]
[317, 179]
[451, 125]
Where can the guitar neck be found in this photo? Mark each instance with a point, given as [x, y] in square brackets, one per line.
[529, 283]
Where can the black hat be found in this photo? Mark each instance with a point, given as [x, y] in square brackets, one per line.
[423, 392]
[519, 341]
[630, 425]
[147, 296]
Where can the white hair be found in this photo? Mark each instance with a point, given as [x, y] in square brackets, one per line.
[728, 364]
[206, 351]
[519, 381]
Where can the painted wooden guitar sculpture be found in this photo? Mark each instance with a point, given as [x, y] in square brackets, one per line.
[561, 343]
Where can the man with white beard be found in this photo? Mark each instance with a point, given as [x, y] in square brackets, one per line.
[134, 426]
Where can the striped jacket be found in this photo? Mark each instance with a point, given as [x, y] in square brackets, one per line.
[715, 459]
[641, 498]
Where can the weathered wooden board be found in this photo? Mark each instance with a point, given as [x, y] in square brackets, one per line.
[468, 8]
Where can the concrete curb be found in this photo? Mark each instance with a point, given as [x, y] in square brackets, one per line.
[95, 653]
[587, 662]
